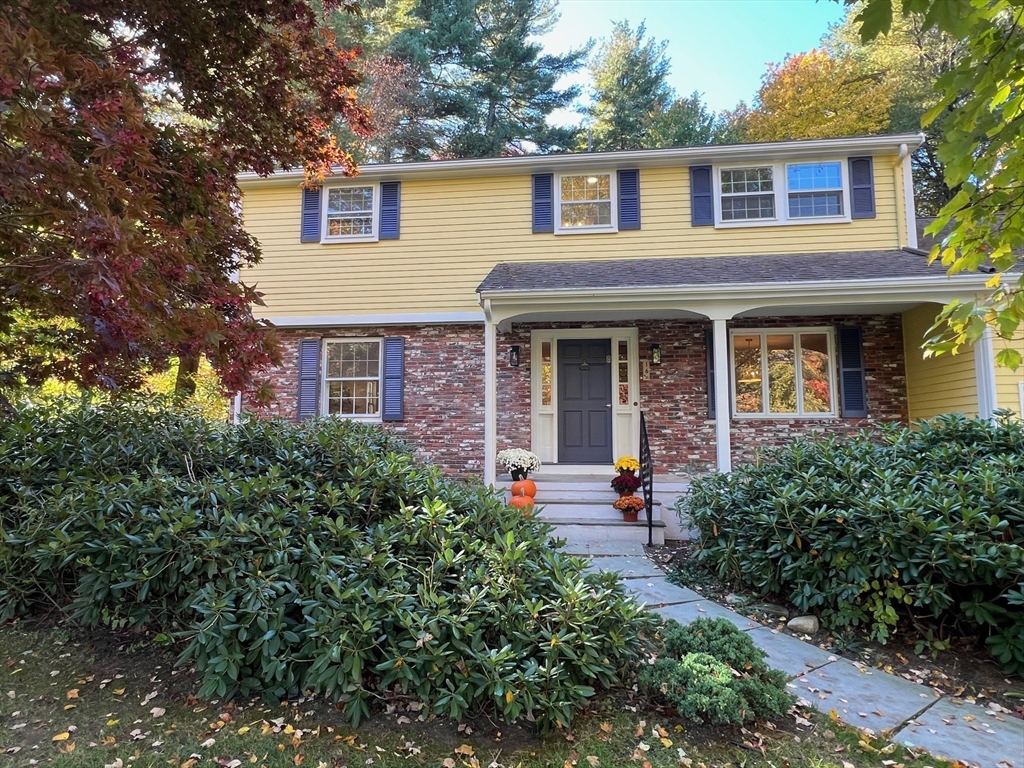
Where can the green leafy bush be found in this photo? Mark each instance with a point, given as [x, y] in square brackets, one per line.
[897, 523]
[713, 672]
[291, 557]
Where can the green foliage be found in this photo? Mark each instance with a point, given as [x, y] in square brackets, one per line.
[981, 106]
[712, 672]
[889, 524]
[291, 557]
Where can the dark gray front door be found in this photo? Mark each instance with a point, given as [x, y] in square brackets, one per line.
[584, 401]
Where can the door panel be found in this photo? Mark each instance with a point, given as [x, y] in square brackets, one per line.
[584, 401]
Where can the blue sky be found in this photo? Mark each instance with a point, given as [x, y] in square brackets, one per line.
[717, 47]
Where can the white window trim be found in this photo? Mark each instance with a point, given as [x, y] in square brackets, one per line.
[370, 418]
[833, 378]
[780, 182]
[371, 238]
[613, 191]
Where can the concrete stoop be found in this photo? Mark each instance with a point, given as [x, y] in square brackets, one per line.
[580, 509]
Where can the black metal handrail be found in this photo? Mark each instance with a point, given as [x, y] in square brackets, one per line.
[647, 478]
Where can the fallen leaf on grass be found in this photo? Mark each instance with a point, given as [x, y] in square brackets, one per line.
[465, 750]
[606, 727]
[593, 760]
[158, 711]
[72, 694]
[208, 743]
[62, 736]
[118, 763]
[118, 691]
[243, 730]
[448, 763]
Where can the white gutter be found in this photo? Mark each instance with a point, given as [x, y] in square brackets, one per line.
[639, 158]
[909, 207]
[741, 290]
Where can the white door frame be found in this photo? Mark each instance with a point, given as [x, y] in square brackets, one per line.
[544, 417]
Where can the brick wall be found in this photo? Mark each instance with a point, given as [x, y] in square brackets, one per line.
[444, 389]
[675, 397]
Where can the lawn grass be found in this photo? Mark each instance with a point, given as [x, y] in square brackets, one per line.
[74, 698]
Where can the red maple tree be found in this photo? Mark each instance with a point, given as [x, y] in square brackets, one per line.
[123, 125]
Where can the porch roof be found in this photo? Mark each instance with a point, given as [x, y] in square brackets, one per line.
[709, 271]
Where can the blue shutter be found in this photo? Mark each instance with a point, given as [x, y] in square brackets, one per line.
[709, 344]
[862, 188]
[543, 203]
[702, 196]
[309, 378]
[629, 199]
[390, 203]
[852, 384]
[393, 407]
[310, 215]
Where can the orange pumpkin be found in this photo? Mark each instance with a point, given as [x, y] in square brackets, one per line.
[524, 488]
[522, 502]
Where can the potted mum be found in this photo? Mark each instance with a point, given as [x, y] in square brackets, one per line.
[627, 465]
[625, 484]
[518, 462]
[630, 507]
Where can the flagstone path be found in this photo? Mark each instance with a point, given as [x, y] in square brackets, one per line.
[913, 715]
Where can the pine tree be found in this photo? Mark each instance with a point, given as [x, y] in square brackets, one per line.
[629, 73]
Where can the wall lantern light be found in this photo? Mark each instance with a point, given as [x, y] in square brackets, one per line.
[513, 356]
[656, 354]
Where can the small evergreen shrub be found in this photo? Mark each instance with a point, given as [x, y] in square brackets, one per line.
[895, 522]
[713, 672]
[304, 557]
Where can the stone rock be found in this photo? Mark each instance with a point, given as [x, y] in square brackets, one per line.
[771, 609]
[735, 599]
[805, 625]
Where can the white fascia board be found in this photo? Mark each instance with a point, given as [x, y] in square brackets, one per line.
[639, 158]
[814, 288]
[421, 318]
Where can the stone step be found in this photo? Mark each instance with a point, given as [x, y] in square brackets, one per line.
[605, 496]
[583, 533]
[593, 512]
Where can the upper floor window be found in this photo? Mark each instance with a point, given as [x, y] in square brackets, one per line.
[782, 193]
[351, 385]
[586, 203]
[350, 213]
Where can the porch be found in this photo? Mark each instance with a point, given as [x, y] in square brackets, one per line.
[701, 345]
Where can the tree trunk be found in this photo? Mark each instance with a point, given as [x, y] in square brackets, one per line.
[185, 382]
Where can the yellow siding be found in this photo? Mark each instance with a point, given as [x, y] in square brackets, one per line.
[455, 230]
[935, 385]
[1008, 382]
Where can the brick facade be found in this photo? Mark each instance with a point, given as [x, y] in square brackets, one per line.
[444, 389]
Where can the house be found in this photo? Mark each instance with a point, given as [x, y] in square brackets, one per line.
[738, 296]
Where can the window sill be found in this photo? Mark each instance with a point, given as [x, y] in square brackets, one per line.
[785, 417]
[588, 231]
[359, 239]
[781, 222]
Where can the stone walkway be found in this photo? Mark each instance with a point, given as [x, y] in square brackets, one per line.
[911, 714]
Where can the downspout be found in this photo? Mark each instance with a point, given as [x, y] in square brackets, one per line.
[903, 163]
[490, 394]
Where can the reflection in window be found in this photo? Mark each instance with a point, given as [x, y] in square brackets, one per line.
[586, 201]
[781, 374]
[545, 373]
[350, 212]
[352, 374]
[747, 352]
[623, 362]
[770, 382]
[815, 371]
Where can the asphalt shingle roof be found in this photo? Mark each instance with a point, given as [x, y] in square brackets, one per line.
[709, 270]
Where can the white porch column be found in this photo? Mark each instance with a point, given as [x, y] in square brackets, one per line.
[723, 404]
[490, 395]
[985, 374]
